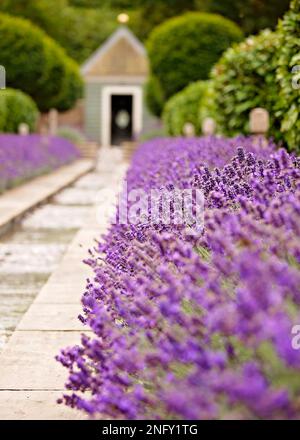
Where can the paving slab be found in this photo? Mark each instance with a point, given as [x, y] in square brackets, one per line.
[62, 293]
[35, 405]
[28, 360]
[50, 216]
[76, 275]
[52, 317]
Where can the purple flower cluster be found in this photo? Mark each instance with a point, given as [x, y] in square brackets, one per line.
[23, 157]
[197, 327]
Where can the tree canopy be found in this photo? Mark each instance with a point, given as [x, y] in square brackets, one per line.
[251, 15]
[80, 26]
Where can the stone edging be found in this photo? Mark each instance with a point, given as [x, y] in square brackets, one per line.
[15, 203]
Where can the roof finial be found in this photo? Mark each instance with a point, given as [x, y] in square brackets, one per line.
[123, 18]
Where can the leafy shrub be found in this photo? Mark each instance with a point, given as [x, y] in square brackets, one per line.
[288, 109]
[83, 30]
[184, 49]
[23, 157]
[37, 65]
[197, 327]
[184, 107]
[154, 96]
[251, 15]
[86, 3]
[16, 107]
[244, 78]
[2, 111]
[71, 88]
[147, 17]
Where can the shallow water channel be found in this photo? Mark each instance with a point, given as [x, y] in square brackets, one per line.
[33, 250]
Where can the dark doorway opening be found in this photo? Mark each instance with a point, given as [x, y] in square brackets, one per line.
[121, 119]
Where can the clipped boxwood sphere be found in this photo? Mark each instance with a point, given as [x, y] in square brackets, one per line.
[71, 88]
[37, 65]
[288, 76]
[15, 108]
[245, 78]
[184, 107]
[184, 49]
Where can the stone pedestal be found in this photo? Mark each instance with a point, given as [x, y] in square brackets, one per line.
[208, 127]
[259, 125]
[189, 130]
[259, 121]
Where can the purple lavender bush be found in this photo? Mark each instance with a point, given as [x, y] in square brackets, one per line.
[23, 157]
[197, 327]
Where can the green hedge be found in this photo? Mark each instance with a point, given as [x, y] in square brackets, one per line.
[288, 108]
[71, 88]
[16, 107]
[37, 65]
[184, 107]
[71, 134]
[245, 78]
[184, 49]
[154, 96]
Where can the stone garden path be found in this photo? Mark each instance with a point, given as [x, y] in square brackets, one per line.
[30, 378]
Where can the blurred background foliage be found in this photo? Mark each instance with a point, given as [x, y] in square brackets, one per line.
[80, 30]
[288, 101]
[258, 72]
[184, 107]
[37, 65]
[184, 49]
[245, 78]
[250, 15]
[155, 97]
[15, 108]
[80, 26]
